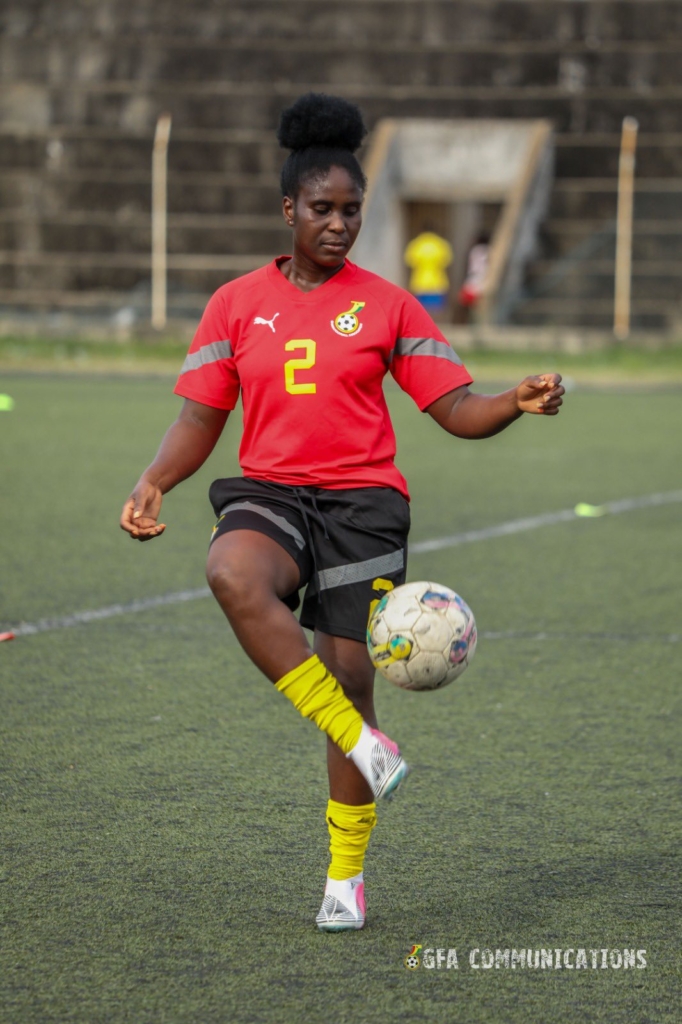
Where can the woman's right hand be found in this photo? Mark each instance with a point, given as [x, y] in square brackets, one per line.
[187, 444]
[141, 511]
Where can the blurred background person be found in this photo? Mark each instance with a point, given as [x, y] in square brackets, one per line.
[428, 255]
[476, 273]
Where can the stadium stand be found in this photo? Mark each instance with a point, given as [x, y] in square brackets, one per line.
[84, 82]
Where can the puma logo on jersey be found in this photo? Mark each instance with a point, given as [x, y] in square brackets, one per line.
[267, 323]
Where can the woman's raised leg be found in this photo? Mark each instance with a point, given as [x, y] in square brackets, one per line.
[250, 573]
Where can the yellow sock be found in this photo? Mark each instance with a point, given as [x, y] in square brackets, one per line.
[318, 695]
[349, 832]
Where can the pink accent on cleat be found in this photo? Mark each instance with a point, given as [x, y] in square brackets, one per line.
[378, 758]
[343, 906]
[383, 738]
[360, 898]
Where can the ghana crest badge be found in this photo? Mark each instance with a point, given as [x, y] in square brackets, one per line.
[347, 323]
[412, 961]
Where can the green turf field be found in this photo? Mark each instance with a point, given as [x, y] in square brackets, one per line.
[157, 867]
[629, 364]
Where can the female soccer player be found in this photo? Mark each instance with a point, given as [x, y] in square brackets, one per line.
[321, 504]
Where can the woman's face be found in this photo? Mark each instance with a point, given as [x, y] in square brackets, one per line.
[326, 217]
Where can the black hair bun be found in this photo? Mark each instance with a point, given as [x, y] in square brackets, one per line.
[323, 121]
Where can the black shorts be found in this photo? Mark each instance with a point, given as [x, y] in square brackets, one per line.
[350, 546]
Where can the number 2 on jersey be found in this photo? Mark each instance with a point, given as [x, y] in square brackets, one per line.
[292, 365]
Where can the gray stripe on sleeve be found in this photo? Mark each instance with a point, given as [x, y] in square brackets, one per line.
[207, 354]
[426, 347]
[279, 521]
[355, 572]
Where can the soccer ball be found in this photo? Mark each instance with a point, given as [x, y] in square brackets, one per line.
[346, 323]
[421, 636]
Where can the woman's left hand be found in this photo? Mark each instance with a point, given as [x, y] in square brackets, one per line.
[541, 394]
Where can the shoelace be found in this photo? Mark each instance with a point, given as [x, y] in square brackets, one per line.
[316, 514]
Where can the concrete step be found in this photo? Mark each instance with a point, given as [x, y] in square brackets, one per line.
[205, 194]
[134, 236]
[101, 301]
[586, 313]
[227, 104]
[594, 279]
[597, 198]
[19, 151]
[652, 240]
[63, 147]
[79, 271]
[99, 47]
[348, 20]
[660, 157]
[41, 298]
[590, 161]
[125, 193]
[92, 61]
[198, 221]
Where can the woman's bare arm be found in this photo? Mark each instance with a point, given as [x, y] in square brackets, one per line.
[186, 446]
[465, 414]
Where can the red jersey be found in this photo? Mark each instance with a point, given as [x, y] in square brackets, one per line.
[310, 367]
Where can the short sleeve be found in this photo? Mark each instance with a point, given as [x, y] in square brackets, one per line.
[423, 362]
[209, 374]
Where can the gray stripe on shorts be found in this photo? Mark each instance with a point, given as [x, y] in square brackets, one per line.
[279, 521]
[211, 353]
[355, 572]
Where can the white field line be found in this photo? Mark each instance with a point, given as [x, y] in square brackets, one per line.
[516, 634]
[142, 605]
[546, 519]
[437, 544]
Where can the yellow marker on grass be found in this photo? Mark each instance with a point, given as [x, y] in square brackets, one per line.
[6, 403]
[589, 511]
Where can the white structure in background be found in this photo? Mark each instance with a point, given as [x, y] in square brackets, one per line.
[464, 162]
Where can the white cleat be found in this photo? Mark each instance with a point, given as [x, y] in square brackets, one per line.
[343, 906]
[380, 761]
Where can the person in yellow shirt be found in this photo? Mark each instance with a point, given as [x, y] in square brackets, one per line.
[428, 255]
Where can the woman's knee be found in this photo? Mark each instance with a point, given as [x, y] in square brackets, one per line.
[230, 583]
[246, 571]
